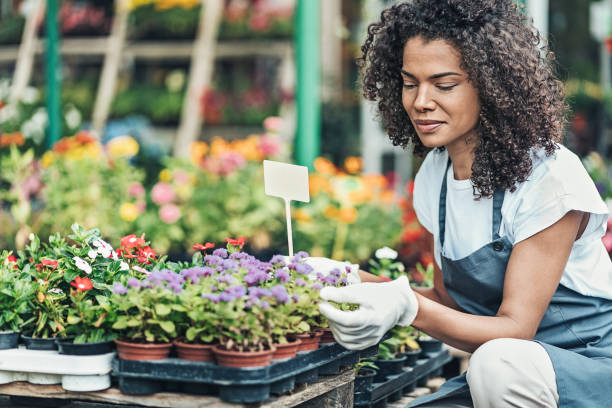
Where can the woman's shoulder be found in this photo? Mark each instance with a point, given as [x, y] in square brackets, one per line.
[562, 167]
[434, 163]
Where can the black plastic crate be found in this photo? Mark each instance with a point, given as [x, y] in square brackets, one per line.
[240, 385]
[395, 386]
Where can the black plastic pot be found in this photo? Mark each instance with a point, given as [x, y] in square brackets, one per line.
[39, 343]
[429, 346]
[389, 367]
[66, 346]
[8, 339]
[364, 378]
[411, 357]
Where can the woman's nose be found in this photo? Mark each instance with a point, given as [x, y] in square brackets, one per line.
[423, 100]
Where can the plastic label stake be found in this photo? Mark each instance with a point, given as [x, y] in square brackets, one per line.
[289, 182]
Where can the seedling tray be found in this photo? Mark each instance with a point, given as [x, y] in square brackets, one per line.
[239, 385]
[75, 373]
[395, 385]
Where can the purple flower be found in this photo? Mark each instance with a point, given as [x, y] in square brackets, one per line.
[212, 260]
[277, 260]
[300, 282]
[344, 282]
[299, 256]
[213, 288]
[241, 255]
[133, 283]
[254, 277]
[330, 280]
[119, 289]
[295, 298]
[220, 252]
[257, 292]
[282, 275]
[317, 286]
[226, 297]
[237, 291]
[176, 287]
[264, 305]
[335, 272]
[280, 293]
[303, 269]
[229, 264]
[211, 296]
[225, 278]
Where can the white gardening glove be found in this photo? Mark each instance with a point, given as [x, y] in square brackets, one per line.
[325, 265]
[381, 306]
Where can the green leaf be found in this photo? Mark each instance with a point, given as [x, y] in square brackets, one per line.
[162, 310]
[168, 327]
[73, 319]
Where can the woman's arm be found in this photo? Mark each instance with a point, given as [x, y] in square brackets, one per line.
[532, 276]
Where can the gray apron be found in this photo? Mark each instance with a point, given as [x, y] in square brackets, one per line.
[576, 330]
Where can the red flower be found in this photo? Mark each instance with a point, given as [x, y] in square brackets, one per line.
[239, 242]
[125, 253]
[132, 241]
[203, 247]
[47, 263]
[82, 284]
[11, 259]
[145, 254]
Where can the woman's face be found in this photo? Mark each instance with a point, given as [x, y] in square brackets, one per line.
[442, 104]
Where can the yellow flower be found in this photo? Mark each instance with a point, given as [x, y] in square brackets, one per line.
[123, 146]
[128, 211]
[324, 166]
[347, 215]
[330, 212]
[198, 151]
[165, 175]
[47, 159]
[302, 215]
[353, 164]
[219, 146]
[317, 183]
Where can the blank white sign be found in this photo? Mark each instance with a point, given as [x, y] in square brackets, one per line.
[285, 180]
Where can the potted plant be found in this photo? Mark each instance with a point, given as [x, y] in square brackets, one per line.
[386, 265]
[409, 347]
[365, 371]
[389, 360]
[428, 344]
[16, 295]
[195, 318]
[144, 311]
[89, 322]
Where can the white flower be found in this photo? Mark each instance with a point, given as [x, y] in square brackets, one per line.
[73, 117]
[141, 270]
[114, 255]
[92, 254]
[82, 264]
[56, 291]
[385, 253]
[125, 266]
[104, 247]
[30, 95]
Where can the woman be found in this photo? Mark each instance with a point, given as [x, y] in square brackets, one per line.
[522, 279]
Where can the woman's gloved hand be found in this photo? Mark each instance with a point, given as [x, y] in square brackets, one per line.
[381, 306]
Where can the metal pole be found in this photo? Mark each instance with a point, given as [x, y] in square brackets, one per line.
[538, 10]
[308, 138]
[53, 73]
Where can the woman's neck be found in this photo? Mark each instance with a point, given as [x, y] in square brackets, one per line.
[462, 156]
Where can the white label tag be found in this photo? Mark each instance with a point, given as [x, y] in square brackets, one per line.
[287, 181]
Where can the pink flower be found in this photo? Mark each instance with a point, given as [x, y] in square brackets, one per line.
[141, 206]
[269, 145]
[273, 123]
[136, 190]
[169, 213]
[181, 177]
[259, 22]
[231, 161]
[162, 193]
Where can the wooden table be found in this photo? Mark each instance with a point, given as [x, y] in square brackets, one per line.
[330, 391]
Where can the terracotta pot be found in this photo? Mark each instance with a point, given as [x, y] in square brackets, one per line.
[310, 341]
[231, 358]
[142, 351]
[286, 350]
[194, 352]
[608, 43]
[328, 336]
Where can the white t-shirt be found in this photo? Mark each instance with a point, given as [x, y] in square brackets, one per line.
[557, 185]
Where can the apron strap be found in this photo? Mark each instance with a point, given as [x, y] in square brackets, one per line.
[442, 207]
[498, 201]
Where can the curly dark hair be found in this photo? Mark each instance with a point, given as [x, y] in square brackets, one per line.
[505, 59]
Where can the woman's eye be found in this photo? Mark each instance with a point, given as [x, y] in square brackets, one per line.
[446, 87]
[409, 86]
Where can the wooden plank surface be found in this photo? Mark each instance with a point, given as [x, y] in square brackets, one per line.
[300, 395]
